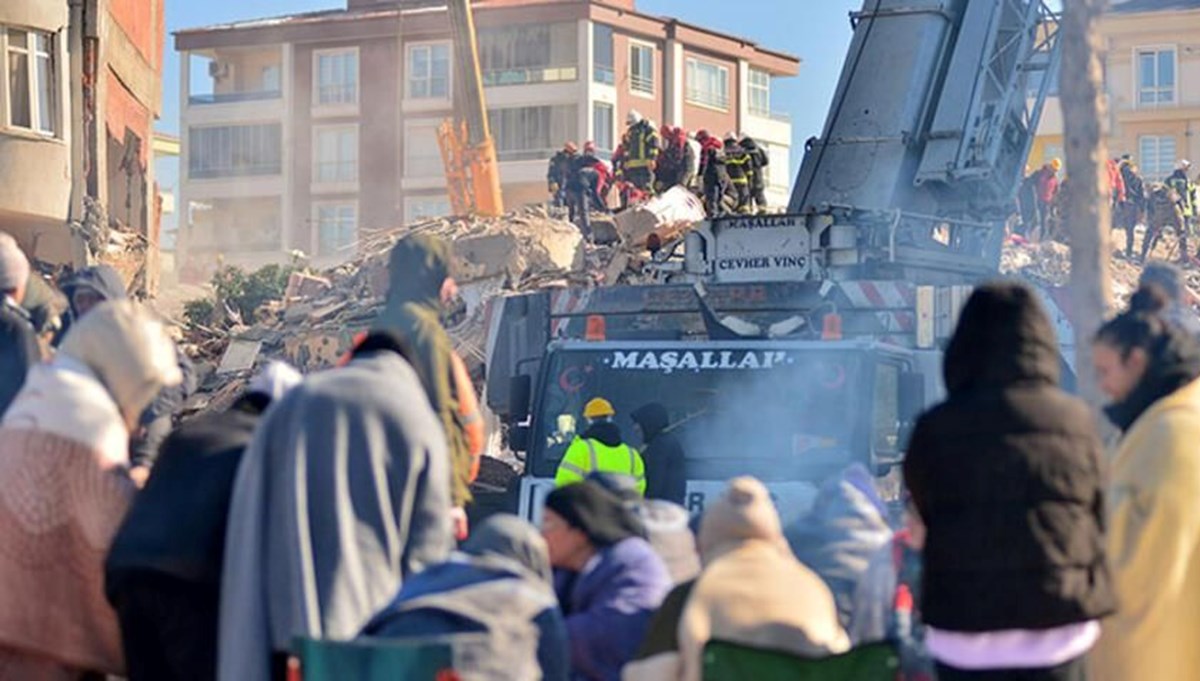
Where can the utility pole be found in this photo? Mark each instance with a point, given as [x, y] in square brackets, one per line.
[1089, 200]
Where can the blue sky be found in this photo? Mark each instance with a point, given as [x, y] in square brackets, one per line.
[818, 31]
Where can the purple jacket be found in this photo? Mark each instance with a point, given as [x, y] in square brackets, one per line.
[608, 608]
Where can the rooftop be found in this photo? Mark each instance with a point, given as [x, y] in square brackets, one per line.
[1139, 6]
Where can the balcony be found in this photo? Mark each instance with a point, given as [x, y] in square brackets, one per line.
[778, 116]
[708, 99]
[641, 85]
[605, 75]
[530, 76]
[233, 97]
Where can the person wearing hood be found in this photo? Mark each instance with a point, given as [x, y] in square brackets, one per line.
[163, 574]
[1149, 368]
[419, 270]
[666, 468]
[608, 578]
[85, 290]
[1173, 283]
[1007, 477]
[666, 525]
[841, 534]
[499, 583]
[340, 497]
[18, 341]
[600, 450]
[752, 592]
[64, 489]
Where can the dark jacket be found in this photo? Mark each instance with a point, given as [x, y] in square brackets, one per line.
[559, 169]
[608, 608]
[176, 525]
[758, 161]
[417, 269]
[712, 165]
[1135, 188]
[737, 163]
[498, 584]
[666, 472]
[1007, 476]
[18, 351]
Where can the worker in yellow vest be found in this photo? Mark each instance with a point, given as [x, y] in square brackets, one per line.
[600, 449]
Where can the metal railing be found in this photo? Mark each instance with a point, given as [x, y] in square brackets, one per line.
[273, 167]
[337, 94]
[605, 75]
[716, 100]
[780, 116]
[641, 84]
[547, 74]
[234, 97]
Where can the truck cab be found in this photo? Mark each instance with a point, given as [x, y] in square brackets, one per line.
[791, 413]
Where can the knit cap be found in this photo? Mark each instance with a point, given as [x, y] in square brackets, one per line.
[743, 513]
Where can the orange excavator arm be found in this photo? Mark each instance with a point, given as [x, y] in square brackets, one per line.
[468, 150]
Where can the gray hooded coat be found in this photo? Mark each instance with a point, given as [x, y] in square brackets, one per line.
[340, 497]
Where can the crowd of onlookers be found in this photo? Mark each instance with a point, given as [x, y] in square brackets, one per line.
[323, 511]
[1137, 204]
[728, 174]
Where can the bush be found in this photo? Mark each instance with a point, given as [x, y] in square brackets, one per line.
[200, 312]
[241, 293]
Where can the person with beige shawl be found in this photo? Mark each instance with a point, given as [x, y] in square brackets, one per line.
[64, 489]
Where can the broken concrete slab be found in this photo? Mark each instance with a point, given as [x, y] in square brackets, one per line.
[674, 207]
[241, 355]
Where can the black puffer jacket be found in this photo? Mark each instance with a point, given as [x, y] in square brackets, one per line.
[1007, 475]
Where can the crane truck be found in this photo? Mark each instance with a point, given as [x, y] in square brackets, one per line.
[789, 346]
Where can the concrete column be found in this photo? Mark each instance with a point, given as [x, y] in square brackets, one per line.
[183, 234]
[743, 94]
[674, 82]
[587, 61]
[287, 209]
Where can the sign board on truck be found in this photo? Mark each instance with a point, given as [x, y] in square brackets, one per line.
[761, 248]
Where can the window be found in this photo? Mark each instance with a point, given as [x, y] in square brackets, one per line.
[422, 155]
[336, 155]
[602, 127]
[337, 77]
[529, 53]
[271, 79]
[1156, 77]
[1156, 156]
[779, 172]
[641, 68]
[32, 81]
[429, 71]
[421, 207]
[602, 39]
[707, 84]
[235, 151]
[760, 93]
[532, 132]
[337, 228]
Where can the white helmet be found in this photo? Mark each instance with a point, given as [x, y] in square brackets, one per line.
[633, 117]
[1185, 164]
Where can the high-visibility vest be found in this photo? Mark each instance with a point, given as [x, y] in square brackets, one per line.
[641, 147]
[584, 457]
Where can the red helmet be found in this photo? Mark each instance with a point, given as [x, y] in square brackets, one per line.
[589, 147]
[702, 135]
[570, 148]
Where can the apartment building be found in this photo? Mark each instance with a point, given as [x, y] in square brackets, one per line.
[81, 93]
[1151, 63]
[302, 131]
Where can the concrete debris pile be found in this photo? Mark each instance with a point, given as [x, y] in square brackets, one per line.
[110, 242]
[315, 323]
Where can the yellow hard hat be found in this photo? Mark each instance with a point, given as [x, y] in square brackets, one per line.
[1056, 163]
[598, 407]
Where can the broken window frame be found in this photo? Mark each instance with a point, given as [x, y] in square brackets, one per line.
[41, 84]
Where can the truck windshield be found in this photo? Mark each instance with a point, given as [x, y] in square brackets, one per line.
[774, 413]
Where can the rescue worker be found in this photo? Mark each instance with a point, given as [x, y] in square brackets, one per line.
[558, 172]
[641, 145]
[1185, 191]
[600, 450]
[739, 165]
[758, 180]
[1047, 190]
[713, 173]
[676, 164]
[588, 175]
[1132, 210]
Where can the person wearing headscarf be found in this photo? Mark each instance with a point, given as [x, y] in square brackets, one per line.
[18, 340]
[498, 583]
[340, 497]
[90, 287]
[64, 489]
[608, 578]
[420, 283]
[845, 529]
[1149, 367]
[752, 592]
[664, 524]
[163, 574]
